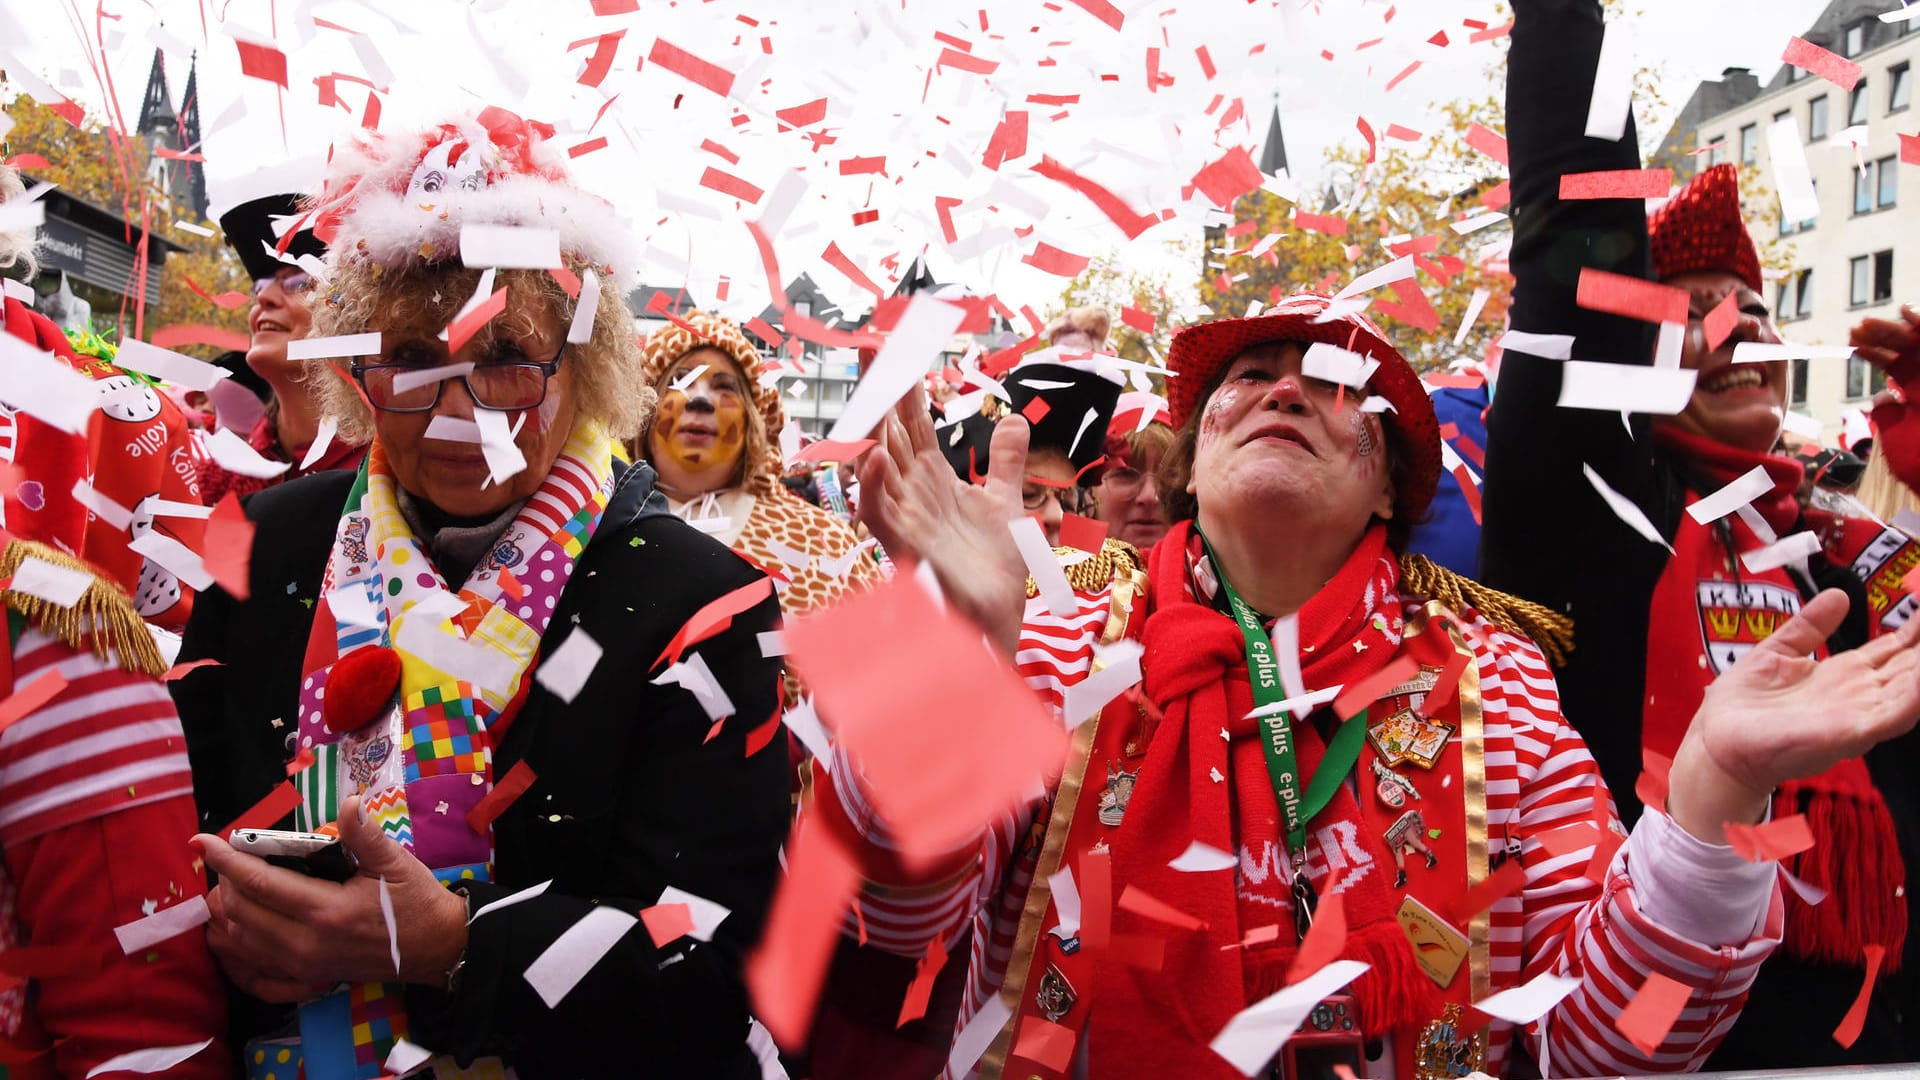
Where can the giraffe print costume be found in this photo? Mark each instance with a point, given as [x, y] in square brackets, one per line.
[778, 517]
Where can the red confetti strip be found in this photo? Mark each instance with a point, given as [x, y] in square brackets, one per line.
[914, 1005]
[1651, 786]
[1404, 72]
[667, 923]
[713, 617]
[1228, 178]
[1413, 308]
[1650, 1015]
[180, 670]
[507, 789]
[1366, 132]
[866, 217]
[598, 142]
[1139, 320]
[838, 260]
[1849, 1030]
[1498, 195]
[1404, 134]
[29, 162]
[1055, 261]
[1492, 32]
[759, 737]
[803, 115]
[1617, 184]
[511, 585]
[860, 166]
[1046, 1043]
[1815, 60]
[1102, 10]
[200, 334]
[1326, 938]
[1635, 298]
[1909, 149]
[463, 327]
[176, 155]
[1053, 99]
[1096, 898]
[1009, 140]
[690, 67]
[1720, 322]
[1355, 698]
[615, 7]
[302, 760]
[1124, 217]
[31, 697]
[262, 62]
[785, 974]
[825, 450]
[1085, 533]
[227, 547]
[728, 184]
[606, 47]
[567, 279]
[277, 804]
[1488, 142]
[1770, 841]
[954, 58]
[1497, 886]
[1320, 223]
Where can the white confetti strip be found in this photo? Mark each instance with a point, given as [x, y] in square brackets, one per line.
[168, 366]
[151, 1060]
[707, 915]
[566, 670]
[1625, 509]
[1043, 566]
[1761, 352]
[1625, 388]
[232, 453]
[1791, 177]
[327, 348]
[57, 585]
[1744, 489]
[1529, 1001]
[1201, 858]
[1257, 1032]
[510, 247]
[555, 972]
[693, 675]
[322, 438]
[166, 923]
[1795, 548]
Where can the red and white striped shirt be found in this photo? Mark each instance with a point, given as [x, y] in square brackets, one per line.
[108, 741]
[1540, 777]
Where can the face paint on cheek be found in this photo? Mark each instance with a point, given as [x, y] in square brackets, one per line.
[1365, 441]
[1210, 421]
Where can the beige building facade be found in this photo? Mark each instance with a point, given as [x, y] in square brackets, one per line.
[1860, 256]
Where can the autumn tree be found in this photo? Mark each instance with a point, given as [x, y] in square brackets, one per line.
[1144, 305]
[94, 165]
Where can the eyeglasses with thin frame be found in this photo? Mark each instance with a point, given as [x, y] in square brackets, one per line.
[1035, 493]
[297, 282]
[510, 386]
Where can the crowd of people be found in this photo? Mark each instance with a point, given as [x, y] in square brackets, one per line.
[509, 628]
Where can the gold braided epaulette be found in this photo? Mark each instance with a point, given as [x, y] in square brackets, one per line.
[103, 620]
[1097, 571]
[1552, 631]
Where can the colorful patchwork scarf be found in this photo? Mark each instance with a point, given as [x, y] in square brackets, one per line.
[425, 760]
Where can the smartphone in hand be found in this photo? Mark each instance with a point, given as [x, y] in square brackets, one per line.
[313, 854]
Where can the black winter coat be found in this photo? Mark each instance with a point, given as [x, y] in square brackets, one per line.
[629, 798]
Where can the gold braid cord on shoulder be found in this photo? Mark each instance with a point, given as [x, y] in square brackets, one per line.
[1094, 573]
[1552, 631]
[102, 620]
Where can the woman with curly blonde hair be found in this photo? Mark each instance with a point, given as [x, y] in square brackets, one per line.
[494, 706]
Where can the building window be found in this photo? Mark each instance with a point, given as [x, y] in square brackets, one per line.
[1798, 382]
[1803, 293]
[1783, 299]
[1863, 189]
[1817, 119]
[1856, 41]
[1857, 104]
[1899, 86]
[1749, 143]
[1889, 188]
[1871, 279]
[1717, 151]
[1863, 379]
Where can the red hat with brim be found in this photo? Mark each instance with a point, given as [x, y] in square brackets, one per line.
[1199, 352]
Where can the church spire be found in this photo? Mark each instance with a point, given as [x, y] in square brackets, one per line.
[1273, 158]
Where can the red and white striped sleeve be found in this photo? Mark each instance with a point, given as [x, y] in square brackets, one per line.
[108, 741]
[1599, 930]
[902, 910]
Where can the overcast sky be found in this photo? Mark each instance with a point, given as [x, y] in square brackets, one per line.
[876, 62]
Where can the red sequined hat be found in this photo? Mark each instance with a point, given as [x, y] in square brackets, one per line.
[1700, 228]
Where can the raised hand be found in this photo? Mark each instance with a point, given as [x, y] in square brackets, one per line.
[1891, 345]
[920, 511]
[1778, 715]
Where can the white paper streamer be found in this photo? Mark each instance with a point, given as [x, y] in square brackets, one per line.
[555, 973]
[566, 670]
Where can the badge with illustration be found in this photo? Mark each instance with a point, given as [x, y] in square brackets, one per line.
[1055, 996]
[1113, 797]
[1447, 1050]
[1407, 736]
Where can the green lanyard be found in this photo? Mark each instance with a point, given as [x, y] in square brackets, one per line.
[1276, 731]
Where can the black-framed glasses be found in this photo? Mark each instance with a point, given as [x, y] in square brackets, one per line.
[511, 386]
[297, 282]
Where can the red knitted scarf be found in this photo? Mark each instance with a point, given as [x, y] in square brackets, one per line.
[1196, 673]
[1856, 854]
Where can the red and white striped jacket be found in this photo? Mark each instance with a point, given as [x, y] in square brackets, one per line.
[1540, 778]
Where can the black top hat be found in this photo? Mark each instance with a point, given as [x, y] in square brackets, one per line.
[249, 229]
[1069, 393]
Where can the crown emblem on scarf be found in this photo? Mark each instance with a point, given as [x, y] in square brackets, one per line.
[1701, 228]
